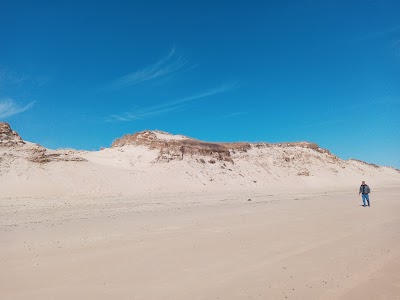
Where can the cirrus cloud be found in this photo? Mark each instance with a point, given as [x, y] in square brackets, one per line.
[167, 65]
[169, 106]
[9, 107]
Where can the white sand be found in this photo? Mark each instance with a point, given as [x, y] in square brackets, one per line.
[312, 245]
[168, 136]
[127, 224]
[133, 170]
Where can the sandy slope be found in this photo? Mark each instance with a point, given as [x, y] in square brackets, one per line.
[217, 245]
[154, 161]
[132, 170]
[161, 216]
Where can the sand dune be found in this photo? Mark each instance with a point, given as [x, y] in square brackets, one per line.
[158, 161]
[161, 216]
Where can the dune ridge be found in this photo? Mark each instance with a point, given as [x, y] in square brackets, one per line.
[150, 161]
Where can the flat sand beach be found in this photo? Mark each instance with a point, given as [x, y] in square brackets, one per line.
[311, 244]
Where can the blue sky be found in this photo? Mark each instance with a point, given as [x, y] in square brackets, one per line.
[80, 74]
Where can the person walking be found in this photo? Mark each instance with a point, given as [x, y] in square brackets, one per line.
[364, 191]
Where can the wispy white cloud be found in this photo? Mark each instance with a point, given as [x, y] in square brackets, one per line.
[8, 107]
[169, 64]
[141, 114]
[170, 106]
